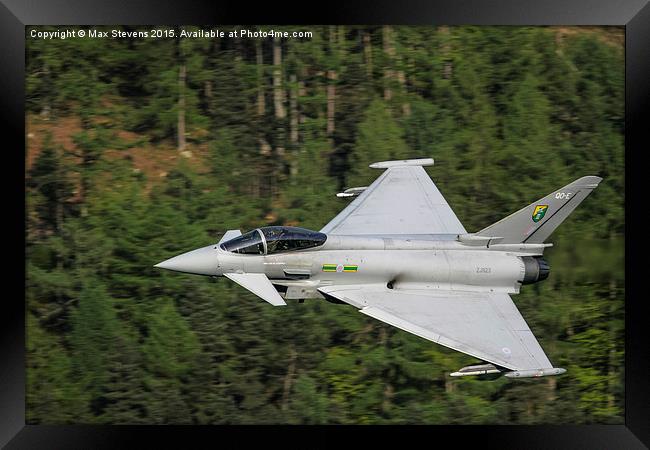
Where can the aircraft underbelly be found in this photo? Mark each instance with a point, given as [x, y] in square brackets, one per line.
[462, 270]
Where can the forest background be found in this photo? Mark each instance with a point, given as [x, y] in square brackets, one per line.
[141, 149]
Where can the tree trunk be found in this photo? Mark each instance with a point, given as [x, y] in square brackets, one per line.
[367, 51]
[59, 174]
[447, 69]
[612, 350]
[389, 51]
[84, 182]
[278, 99]
[406, 107]
[181, 108]
[293, 134]
[331, 101]
[278, 92]
[293, 105]
[530, 410]
[288, 379]
[45, 110]
[207, 86]
[388, 395]
[332, 76]
[302, 91]
[552, 389]
[449, 385]
[259, 56]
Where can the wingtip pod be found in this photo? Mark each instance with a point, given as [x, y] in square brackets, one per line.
[403, 162]
[535, 373]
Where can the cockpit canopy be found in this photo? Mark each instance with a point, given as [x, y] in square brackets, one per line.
[271, 240]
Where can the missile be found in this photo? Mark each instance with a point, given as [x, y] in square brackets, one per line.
[352, 192]
[486, 369]
[481, 369]
[535, 373]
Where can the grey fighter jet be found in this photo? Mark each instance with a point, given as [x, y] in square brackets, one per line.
[399, 254]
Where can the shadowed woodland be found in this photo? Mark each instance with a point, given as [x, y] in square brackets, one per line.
[141, 149]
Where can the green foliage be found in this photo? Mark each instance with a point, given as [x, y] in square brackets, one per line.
[50, 187]
[52, 393]
[508, 114]
[93, 336]
[170, 347]
[379, 138]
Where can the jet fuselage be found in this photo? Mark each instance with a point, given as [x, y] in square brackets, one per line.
[351, 260]
[400, 255]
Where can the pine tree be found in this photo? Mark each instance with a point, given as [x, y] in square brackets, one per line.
[52, 396]
[92, 339]
[49, 179]
[380, 138]
[170, 351]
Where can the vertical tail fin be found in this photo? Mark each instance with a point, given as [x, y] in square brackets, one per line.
[535, 223]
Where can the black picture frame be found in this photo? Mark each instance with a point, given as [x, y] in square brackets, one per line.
[16, 14]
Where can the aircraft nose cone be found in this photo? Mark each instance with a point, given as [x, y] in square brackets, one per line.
[202, 261]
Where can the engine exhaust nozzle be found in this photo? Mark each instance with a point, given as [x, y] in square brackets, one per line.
[535, 269]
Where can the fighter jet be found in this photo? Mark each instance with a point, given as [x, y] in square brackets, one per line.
[400, 255]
